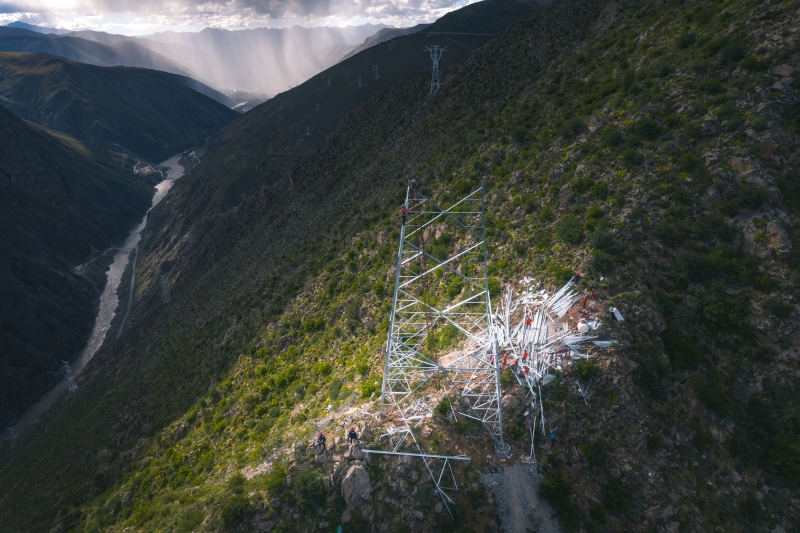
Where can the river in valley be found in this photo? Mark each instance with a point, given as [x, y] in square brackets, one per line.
[109, 301]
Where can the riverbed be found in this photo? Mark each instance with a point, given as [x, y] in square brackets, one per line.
[109, 301]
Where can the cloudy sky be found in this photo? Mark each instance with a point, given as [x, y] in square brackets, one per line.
[137, 17]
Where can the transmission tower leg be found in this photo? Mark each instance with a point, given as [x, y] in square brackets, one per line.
[398, 267]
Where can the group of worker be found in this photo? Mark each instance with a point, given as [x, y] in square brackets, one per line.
[322, 440]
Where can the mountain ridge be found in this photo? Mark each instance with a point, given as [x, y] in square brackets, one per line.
[149, 113]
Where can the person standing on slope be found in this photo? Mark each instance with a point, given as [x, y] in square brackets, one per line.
[322, 441]
[352, 435]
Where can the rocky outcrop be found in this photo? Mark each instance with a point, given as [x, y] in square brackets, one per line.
[356, 487]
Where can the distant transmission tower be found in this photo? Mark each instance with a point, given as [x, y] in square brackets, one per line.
[436, 54]
[359, 81]
[375, 68]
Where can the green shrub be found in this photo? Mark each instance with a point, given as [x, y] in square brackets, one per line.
[647, 128]
[569, 129]
[685, 40]
[580, 186]
[632, 158]
[669, 234]
[733, 52]
[323, 368]
[275, 480]
[585, 369]
[546, 214]
[683, 351]
[604, 240]
[785, 454]
[611, 137]
[236, 506]
[715, 392]
[599, 190]
[752, 196]
[689, 163]
[556, 489]
[308, 489]
[617, 494]
[601, 262]
[691, 267]
[519, 133]
[370, 387]
[778, 308]
[711, 86]
[725, 313]
[570, 230]
[443, 407]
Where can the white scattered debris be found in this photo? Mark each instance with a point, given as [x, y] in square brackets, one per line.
[617, 314]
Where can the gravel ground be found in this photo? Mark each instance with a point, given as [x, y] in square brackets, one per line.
[519, 507]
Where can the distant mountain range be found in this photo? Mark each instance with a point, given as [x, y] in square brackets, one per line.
[149, 113]
[262, 60]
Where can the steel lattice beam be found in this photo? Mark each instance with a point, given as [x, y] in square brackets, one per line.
[473, 373]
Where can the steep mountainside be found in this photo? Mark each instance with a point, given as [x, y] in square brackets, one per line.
[651, 145]
[59, 199]
[261, 146]
[152, 114]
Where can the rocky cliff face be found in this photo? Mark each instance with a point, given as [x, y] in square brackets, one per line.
[62, 202]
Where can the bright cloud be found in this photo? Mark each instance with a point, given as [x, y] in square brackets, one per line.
[137, 17]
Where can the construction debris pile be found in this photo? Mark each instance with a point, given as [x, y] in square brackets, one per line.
[534, 338]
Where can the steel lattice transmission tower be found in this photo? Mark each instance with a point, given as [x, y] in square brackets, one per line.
[436, 52]
[456, 259]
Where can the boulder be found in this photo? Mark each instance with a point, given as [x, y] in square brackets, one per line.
[354, 452]
[356, 487]
[779, 240]
[709, 158]
[767, 146]
[783, 70]
[710, 126]
[712, 195]
[742, 166]
[509, 401]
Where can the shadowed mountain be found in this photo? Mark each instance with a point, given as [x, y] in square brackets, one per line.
[59, 199]
[149, 113]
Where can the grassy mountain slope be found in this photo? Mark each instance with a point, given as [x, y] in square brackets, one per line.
[60, 199]
[650, 145]
[152, 114]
